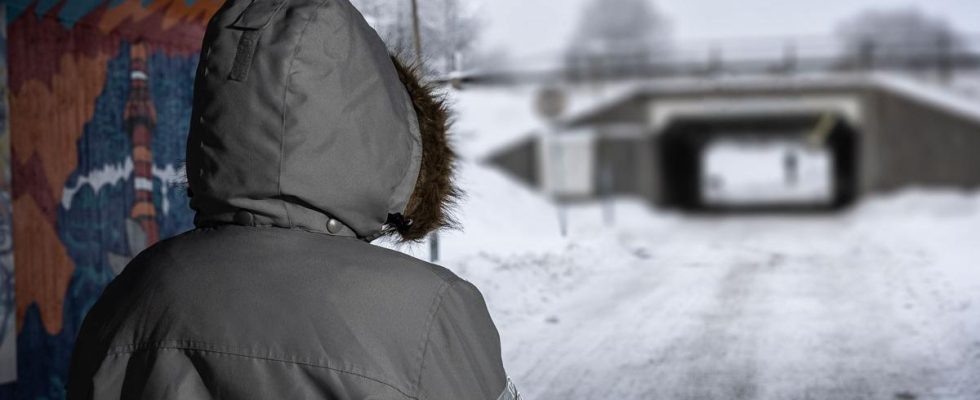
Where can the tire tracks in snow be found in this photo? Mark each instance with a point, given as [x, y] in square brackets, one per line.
[751, 309]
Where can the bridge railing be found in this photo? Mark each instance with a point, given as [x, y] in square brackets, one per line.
[707, 58]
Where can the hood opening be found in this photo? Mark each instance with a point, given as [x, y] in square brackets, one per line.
[431, 204]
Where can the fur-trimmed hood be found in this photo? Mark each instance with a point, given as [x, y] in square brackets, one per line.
[302, 120]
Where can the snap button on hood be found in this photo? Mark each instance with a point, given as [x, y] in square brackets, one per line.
[243, 217]
[334, 226]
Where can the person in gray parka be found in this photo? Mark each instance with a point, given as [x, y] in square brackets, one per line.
[307, 142]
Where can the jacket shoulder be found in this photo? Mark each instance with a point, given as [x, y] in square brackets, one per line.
[283, 297]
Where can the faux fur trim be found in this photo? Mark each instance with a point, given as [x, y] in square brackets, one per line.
[430, 206]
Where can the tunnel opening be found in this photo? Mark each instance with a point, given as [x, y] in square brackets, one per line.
[762, 163]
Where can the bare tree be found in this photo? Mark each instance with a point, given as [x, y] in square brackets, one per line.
[904, 38]
[460, 29]
[449, 30]
[390, 19]
[615, 36]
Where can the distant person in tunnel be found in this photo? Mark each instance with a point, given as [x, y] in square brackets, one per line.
[791, 168]
[308, 141]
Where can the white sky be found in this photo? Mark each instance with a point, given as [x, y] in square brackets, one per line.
[537, 27]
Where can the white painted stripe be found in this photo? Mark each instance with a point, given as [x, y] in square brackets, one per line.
[143, 184]
[111, 174]
[170, 176]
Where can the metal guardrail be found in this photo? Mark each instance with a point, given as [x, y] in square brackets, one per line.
[741, 57]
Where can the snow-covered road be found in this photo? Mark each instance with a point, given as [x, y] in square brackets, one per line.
[756, 309]
[880, 302]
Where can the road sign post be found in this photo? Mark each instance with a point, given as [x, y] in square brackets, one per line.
[550, 105]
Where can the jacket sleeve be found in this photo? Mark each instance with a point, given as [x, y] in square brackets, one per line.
[91, 343]
[461, 356]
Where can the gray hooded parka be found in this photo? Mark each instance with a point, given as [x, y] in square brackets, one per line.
[303, 143]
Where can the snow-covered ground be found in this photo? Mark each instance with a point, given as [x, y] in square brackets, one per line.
[759, 171]
[878, 302]
[967, 84]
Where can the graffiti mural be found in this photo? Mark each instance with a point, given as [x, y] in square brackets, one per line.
[8, 339]
[99, 107]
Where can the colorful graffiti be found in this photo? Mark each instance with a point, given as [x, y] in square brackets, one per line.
[8, 338]
[100, 97]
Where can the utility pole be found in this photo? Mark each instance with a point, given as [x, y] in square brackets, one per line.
[417, 32]
[417, 41]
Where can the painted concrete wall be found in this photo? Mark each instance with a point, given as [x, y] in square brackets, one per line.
[920, 144]
[99, 97]
[8, 331]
